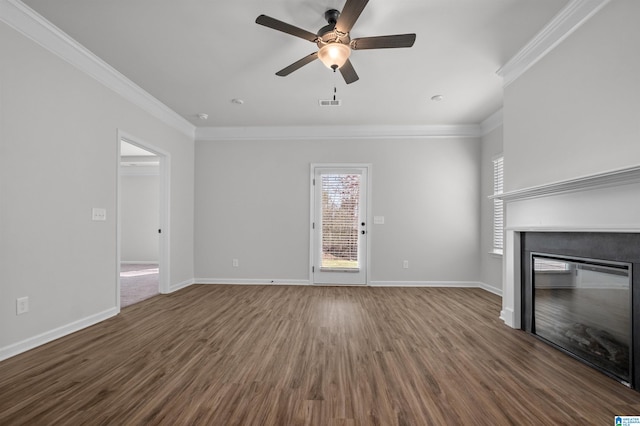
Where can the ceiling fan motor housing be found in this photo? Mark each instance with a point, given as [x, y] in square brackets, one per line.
[332, 16]
[327, 33]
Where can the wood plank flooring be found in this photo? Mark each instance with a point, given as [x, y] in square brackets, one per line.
[287, 355]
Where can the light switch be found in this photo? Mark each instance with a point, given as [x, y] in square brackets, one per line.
[99, 214]
[378, 220]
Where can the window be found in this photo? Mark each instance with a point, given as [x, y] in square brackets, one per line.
[340, 217]
[498, 207]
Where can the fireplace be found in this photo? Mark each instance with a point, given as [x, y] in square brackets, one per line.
[579, 294]
[593, 217]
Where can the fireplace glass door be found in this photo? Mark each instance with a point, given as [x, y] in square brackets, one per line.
[584, 307]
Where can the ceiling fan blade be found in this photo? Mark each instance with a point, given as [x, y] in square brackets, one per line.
[270, 22]
[348, 72]
[298, 64]
[383, 42]
[349, 15]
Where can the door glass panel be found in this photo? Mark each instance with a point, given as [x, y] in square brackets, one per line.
[340, 217]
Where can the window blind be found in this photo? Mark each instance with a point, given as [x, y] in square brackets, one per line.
[548, 265]
[340, 214]
[498, 207]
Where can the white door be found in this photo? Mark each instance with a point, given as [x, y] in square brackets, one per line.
[339, 225]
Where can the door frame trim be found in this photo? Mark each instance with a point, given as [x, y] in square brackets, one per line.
[164, 256]
[369, 216]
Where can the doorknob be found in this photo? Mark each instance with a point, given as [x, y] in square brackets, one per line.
[362, 232]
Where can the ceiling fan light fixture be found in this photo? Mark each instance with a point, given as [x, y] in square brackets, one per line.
[333, 40]
[334, 54]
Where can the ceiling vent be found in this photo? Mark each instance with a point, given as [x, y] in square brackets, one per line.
[329, 103]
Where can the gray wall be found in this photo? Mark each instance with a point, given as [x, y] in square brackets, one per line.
[576, 111]
[58, 160]
[252, 203]
[140, 218]
[490, 264]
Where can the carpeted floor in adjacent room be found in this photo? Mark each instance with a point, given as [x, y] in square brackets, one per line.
[137, 283]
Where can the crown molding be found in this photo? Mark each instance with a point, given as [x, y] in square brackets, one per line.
[336, 132]
[491, 123]
[29, 23]
[569, 19]
[607, 179]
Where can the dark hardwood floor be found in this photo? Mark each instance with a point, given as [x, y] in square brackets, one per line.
[286, 355]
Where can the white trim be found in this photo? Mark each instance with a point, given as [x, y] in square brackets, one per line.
[337, 132]
[491, 123]
[453, 284]
[491, 289]
[443, 284]
[139, 262]
[56, 333]
[139, 171]
[599, 180]
[368, 219]
[250, 281]
[569, 19]
[180, 286]
[511, 279]
[629, 229]
[28, 22]
[508, 317]
[312, 207]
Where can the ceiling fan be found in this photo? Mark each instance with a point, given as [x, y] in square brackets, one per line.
[334, 42]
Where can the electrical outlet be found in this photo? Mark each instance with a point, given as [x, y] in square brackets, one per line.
[22, 305]
[405, 264]
[98, 214]
[235, 263]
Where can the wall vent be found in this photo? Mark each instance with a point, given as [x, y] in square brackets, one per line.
[329, 103]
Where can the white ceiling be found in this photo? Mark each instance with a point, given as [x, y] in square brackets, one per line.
[196, 56]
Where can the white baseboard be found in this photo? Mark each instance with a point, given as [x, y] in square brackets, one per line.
[491, 289]
[183, 284]
[56, 333]
[139, 262]
[508, 316]
[250, 281]
[461, 284]
[458, 284]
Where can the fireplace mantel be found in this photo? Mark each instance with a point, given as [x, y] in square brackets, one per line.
[600, 180]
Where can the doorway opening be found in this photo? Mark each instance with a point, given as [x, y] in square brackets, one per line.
[142, 231]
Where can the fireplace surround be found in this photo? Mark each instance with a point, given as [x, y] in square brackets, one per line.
[602, 203]
[579, 294]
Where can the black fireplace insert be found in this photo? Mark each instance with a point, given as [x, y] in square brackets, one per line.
[578, 295]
